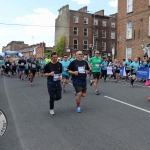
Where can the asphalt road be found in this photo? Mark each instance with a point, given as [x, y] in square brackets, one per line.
[117, 119]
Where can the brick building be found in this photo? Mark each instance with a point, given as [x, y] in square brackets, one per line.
[82, 29]
[25, 49]
[133, 31]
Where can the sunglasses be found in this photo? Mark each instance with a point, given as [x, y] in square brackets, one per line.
[96, 53]
[80, 54]
[65, 57]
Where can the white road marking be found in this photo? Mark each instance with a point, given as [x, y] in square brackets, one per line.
[127, 104]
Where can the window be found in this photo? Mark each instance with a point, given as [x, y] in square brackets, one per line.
[129, 30]
[103, 33]
[103, 46]
[112, 34]
[96, 33]
[85, 45]
[75, 31]
[96, 22]
[76, 19]
[104, 23]
[113, 24]
[128, 53]
[85, 20]
[112, 46]
[129, 6]
[85, 32]
[75, 44]
[95, 45]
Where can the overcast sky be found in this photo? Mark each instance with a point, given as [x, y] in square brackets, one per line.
[42, 13]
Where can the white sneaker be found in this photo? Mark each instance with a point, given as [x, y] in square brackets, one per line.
[52, 112]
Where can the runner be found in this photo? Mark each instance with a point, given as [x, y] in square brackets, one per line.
[65, 75]
[42, 64]
[8, 68]
[104, 68]
[95, 63]
[53, 71]
[3, 66]
[33, 66]
[79, 70]
[21, 64]
[14, 67]
[127, 68]
[134, 67]
[38, 66]
[117, 69]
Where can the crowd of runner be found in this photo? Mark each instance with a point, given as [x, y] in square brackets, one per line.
[59, 70]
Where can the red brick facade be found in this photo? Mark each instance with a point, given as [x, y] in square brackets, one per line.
[139, 16]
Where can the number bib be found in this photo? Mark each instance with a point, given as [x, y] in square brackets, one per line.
[81, 70]
[56, 77]
[22, 64]
[65, 69]
[8, 65]
[97, 65]
[33, 66]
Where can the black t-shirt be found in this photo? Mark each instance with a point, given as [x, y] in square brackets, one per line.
[7, 64]
[81, 67]
[57, 68]
[33, 64]
[22, 63]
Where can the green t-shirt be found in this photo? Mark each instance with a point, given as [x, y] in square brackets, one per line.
[96, 62]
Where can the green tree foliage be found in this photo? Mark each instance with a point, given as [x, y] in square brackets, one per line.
[61, 46]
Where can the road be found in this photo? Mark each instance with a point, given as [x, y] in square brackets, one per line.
[117, 119]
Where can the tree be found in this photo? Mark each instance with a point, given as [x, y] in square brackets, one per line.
[61, 46]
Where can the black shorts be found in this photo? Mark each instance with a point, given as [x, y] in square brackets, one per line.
[117, 71]
[127, 71]
[80, 88]
[96, 75]
[33, 71]
[3, 66]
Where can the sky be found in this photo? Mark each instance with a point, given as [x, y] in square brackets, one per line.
[33, 21]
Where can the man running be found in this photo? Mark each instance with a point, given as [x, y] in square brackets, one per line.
[127, 68]
[65, 75]
[8, 67]
[53, 71]
[79, 70]
[134, 68]
[104, 68]
[32, 67]
[95, 63]
[42, 64]
[22, 64]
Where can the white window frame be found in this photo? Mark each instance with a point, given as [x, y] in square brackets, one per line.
[85, 32]
[95, 22]
[112, 45]
[129, 30]
[75, 44]
[103, 46]
[86, 20]
[129, 6]
[128, 49]
[85, 45]
[75, 31]
[113, 24]
[104, 23]
[103, 34]
[76, 19]
[95, 33]
[95, 45]
[112, 34]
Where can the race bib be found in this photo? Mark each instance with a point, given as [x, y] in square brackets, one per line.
[114, 67]
[8, 65]
[22, 64]
[13, 64]
[65, 69]
[56, 77]
[33, 66]
[81, 70]
[97, 66]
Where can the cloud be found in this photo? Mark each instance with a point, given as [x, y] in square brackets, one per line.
[113, 3]
[82, 1]
[6, 31]
[42, 17]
